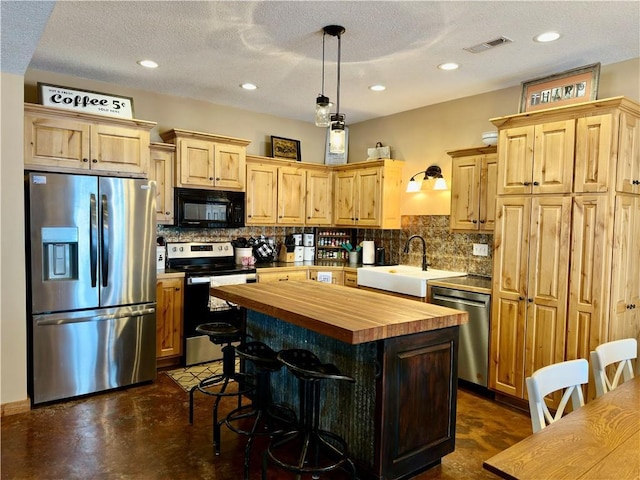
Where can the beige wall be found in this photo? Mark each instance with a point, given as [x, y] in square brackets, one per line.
[175, 112]
[422, 137]
[13, 325]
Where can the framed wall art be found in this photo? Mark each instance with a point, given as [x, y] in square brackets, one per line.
[566, 88]
[285, 148]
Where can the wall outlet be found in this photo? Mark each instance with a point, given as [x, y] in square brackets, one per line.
[481, 249]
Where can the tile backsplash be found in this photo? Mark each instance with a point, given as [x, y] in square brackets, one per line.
[445, 250]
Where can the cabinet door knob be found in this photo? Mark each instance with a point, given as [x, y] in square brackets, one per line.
[482, 221]
[85, 160]
[217, 179]
[520, 298]
[167, 213]
[526, 184]
[177, 289]
[535, 184]
[530, 300]
[474, 221]
[94, 160]
[210, 178]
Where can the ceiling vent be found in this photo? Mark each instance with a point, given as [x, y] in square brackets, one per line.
[481, 47]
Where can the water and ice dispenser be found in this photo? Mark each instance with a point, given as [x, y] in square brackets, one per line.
[60, 253]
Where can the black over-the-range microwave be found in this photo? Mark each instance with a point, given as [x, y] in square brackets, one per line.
[196, 208]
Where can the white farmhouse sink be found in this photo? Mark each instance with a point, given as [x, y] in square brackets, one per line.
[401, 278]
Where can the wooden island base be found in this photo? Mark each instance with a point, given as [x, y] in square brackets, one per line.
[399, 416]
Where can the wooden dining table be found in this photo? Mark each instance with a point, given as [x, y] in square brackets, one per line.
[599, 441]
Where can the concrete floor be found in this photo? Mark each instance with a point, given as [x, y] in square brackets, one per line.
[143, 432]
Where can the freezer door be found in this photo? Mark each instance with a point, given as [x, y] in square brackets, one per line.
[63, 241]
[127, 249]
[90, 351]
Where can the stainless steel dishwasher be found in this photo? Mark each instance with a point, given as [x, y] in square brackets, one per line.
[473, 355]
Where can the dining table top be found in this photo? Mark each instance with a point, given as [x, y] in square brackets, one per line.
[599, 441]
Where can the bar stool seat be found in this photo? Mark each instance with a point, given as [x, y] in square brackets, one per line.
[307, 449]
[268, 419]
[221, 333]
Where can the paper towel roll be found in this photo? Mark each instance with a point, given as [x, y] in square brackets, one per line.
[368, 252]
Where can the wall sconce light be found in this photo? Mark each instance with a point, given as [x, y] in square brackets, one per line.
[433, 171]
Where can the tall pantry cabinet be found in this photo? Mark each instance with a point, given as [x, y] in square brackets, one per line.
[567, 237]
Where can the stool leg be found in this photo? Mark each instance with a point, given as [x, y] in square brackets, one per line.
[216, 425]
[247, 448]
[191, 392]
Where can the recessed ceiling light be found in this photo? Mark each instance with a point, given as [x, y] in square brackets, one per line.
[546, 37]
[147, 63]
[448, 66]
[377, 88]
[248, 86]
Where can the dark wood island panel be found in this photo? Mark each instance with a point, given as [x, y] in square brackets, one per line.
[399, 416]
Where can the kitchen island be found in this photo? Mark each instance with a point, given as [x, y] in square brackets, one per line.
[399, 416]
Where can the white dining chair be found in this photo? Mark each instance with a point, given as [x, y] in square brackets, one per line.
[567, 376]
[621, 352]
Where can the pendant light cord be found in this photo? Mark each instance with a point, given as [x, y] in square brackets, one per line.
[324, 34]
[338, 90]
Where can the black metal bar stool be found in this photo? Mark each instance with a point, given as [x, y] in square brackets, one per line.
[313, 450]
[221, 333]
[268, 419]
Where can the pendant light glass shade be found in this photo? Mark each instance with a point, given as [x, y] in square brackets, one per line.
[323, 111]
[337, 137]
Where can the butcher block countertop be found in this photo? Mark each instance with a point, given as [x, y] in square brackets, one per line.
[347, 314]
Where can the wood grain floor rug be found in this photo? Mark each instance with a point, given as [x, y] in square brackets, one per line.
[187, 377]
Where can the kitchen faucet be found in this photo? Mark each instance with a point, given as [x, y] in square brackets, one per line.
[424, 250]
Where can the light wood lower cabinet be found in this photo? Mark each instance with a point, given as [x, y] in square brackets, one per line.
[169, 321]
[351, 279]
[282, 274]
[337, 275]
[529, 304]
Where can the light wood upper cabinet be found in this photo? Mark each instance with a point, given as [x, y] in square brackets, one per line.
[536, 158]
[63, 140]
[473, 189]
[288, 193]
[368, 196]
[169, 321]
[208, 161]
[262, 193]
[628, 180]
[594, 136]
[319, 197]
[292, 185]
[162, 163]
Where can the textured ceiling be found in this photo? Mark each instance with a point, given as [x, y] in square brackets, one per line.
[206, 49]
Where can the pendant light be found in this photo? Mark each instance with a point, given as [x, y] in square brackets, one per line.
[337, 142]
[323, 105]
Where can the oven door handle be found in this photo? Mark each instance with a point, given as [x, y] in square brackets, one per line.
[198, 280]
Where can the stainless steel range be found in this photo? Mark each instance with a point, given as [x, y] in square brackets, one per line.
[206, 265]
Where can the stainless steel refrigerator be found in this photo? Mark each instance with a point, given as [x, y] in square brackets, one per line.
[92, 283]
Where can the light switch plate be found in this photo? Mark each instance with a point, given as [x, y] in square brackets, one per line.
[481, 249]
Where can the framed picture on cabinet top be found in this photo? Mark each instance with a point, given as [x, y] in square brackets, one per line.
[285, 148]
[566, 88]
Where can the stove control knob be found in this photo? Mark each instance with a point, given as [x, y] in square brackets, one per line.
[182, 249]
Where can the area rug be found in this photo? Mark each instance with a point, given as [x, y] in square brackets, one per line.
[187, 377]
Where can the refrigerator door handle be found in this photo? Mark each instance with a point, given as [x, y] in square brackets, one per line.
[41, 320]
[93, 238]
[105, 241]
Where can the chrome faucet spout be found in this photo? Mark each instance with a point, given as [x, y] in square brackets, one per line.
[424, 250]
